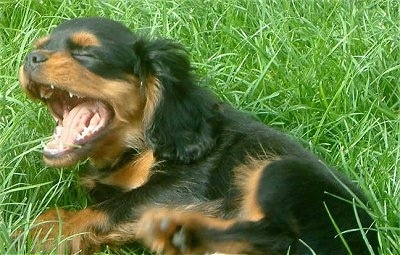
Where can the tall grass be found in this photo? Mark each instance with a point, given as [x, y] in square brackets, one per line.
[327, 72]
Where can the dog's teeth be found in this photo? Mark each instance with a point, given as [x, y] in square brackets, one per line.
[58, 131]
[86, 131]
[71, 95]
[79, 137]
[52, 86]
[97, 128]
[46, 94]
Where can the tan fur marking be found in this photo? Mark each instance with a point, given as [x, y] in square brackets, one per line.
[85, 39]
[76, 227]
[88, 218]
[41, 42]
[133, 175]
[24, 81]
[247, 179]
[153, 95]
[229, 247]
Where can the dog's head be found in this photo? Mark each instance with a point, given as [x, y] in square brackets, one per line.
[109, 89]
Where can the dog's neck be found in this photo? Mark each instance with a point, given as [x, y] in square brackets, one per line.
[125, 158]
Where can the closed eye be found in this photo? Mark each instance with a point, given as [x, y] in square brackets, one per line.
[82, 54]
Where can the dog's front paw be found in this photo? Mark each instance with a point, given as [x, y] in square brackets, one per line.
[165, 232]
[64, 232]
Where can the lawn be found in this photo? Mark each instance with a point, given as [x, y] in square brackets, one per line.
[327, 72]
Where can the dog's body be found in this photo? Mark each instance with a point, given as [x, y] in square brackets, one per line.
[170, 164]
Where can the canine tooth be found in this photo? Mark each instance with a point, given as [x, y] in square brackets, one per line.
[52, 86]
[74, 95]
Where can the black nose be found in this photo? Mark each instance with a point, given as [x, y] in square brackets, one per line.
[33, 60]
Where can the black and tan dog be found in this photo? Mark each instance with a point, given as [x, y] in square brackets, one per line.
[170, 164]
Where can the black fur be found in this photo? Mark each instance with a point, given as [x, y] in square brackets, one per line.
[168, 61]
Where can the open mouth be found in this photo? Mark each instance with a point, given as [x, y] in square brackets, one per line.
[79, 120]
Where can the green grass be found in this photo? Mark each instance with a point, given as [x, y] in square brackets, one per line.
[327, 72]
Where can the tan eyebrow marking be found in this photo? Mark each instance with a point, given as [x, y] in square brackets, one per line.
[41, 42]
[85, 39]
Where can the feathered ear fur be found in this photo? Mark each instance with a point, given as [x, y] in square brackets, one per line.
[182, 121]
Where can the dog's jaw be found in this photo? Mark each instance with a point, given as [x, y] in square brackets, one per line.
[86, 127]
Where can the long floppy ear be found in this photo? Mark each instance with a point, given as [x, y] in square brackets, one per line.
[179, 115]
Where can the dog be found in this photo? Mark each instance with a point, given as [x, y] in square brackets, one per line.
[171, 165]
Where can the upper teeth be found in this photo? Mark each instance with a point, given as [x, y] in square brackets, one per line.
[47, 93]
[74, 95]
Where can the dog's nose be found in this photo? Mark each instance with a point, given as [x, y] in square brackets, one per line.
[34, 59]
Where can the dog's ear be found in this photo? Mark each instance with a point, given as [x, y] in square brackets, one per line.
[180, 117]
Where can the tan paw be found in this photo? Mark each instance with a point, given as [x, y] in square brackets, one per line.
[164, 232]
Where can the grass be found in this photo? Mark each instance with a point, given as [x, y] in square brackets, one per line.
[326, 72]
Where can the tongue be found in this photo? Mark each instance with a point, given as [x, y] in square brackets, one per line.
[78, 120]
[77, 127]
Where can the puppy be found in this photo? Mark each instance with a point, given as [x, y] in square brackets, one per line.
[171, 165]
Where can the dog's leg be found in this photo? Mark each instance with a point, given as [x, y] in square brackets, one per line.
[302, 210]
[174, 232]
[112, 222]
